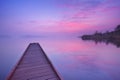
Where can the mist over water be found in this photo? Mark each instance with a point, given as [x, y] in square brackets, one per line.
[73, 58]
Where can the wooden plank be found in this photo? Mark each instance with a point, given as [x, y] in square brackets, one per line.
[29, 65]
[34, 65]
[30, 74]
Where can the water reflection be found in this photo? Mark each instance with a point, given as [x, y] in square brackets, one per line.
[109, 41]
[73, 58]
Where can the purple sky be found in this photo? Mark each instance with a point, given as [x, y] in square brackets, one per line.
[52, 17]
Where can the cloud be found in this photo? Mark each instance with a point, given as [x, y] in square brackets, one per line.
[78, 10]
[62, 16]
[87, 11]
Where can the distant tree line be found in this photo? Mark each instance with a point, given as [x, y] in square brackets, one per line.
[108, 37]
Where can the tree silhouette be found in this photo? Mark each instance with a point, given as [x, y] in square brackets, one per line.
[117, 28]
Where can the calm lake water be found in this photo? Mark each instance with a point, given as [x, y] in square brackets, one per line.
[73, 58]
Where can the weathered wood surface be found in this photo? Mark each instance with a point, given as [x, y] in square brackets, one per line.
[34, 65]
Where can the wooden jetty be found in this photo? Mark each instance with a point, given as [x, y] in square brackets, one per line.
[34, 65]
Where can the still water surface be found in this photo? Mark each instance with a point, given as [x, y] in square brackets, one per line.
[73, 58]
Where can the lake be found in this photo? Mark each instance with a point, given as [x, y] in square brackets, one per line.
[73, 58]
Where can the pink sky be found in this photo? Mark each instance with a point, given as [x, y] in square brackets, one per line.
[36, 17]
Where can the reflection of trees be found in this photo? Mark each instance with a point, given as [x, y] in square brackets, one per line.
[112, 41]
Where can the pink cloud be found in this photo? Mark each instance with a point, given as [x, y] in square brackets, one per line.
[74, 18]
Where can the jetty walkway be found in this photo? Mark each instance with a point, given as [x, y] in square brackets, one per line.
[34, 65]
